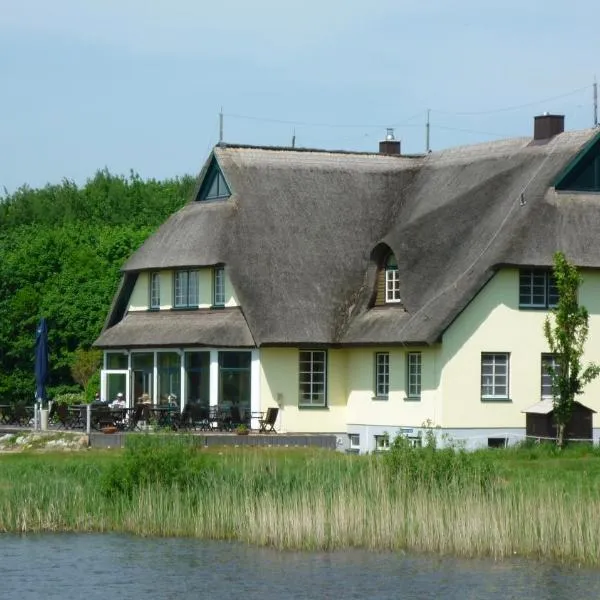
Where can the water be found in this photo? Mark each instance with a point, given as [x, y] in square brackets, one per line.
[113, 566]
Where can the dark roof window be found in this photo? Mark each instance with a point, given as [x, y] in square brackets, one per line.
[214, 186]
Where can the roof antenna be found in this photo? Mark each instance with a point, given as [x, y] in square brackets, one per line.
[595, 102]
[427, 127]
[294, 139]
[221, 126]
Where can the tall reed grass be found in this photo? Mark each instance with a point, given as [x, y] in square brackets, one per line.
[306, 500]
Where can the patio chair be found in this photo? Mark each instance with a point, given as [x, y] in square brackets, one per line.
[141, 412]
[267, 424]
[62, 414]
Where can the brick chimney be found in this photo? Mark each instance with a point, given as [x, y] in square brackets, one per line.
[546, 126]
[390, 145]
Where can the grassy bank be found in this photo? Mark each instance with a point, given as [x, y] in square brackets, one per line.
[497, 503]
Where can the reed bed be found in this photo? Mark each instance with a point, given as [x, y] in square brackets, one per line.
[313, 500]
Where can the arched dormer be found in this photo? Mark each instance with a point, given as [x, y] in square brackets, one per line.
[388, 278]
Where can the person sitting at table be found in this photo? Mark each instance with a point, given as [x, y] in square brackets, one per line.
[144, 399]
[118, 402]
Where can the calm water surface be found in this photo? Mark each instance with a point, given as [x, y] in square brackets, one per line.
[115, 566]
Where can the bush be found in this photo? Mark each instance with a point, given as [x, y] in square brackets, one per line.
[157, 461]
[70, 398]
[435, 467]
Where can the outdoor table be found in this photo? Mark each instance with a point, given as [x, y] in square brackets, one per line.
[121, 417]
[77, 416]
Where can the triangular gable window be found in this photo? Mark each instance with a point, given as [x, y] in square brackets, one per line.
[583, 173]
[214, 186]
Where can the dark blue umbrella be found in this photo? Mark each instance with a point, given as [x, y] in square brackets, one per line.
[41, 359]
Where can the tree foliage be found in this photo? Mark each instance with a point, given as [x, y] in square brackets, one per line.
[62, 248]
[566, 331]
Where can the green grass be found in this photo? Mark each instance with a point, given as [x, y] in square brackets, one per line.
[530, 502]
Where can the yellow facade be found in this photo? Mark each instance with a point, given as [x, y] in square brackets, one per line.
[493, 322]
[280, 387]
[140, 298]
[364, 408]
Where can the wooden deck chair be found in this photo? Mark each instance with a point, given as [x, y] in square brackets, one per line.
[268, 423]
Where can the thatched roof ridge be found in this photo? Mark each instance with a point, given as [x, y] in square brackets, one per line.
[298, 232]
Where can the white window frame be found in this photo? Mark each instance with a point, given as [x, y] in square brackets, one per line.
[382, 374]
[392, 285]
[494, 382]
[307, 374]
[382, 442]
[414, 369]
[185, 289]
[537, 289]
[219, 286]
[354, 441]
[546, 379]
[155, 290]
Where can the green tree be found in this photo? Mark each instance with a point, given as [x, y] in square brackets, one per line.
[85, 364]
[62, 248]
[566, 330]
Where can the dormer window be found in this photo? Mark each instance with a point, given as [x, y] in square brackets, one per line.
[214, 186]
[186, 289]
[155, 290]
[219, 286]
[392, 280]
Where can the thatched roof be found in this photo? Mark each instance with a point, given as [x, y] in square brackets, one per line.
[299, 230]
[217, 328]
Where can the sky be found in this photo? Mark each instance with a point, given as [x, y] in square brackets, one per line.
[139, 84]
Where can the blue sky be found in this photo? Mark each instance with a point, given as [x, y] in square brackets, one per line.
[138, 84]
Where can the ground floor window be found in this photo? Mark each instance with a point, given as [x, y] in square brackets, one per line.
[217, 378]
[549, 364]
[197, 372]
[382, 374]
[313, 378]
[414, 375]
[382, 442]
[169, 377]
[494, 375]
[234, 379]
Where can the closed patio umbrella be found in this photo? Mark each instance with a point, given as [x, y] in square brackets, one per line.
[41, 360]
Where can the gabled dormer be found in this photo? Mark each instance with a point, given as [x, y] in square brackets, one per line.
[213, 185]
[582, 174]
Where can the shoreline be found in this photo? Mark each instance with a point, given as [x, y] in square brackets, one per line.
[531, 507]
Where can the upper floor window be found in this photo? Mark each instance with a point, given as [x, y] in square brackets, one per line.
[214, 186]
[392, 280]
[313, 378]
[219, 286]
[186, 289]
[537, 289]
[155, 290]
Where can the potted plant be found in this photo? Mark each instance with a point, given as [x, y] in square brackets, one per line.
[242, 429]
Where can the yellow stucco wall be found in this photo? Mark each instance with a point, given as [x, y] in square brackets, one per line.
[140, 296]
[397, 410]
[493, 322]
[280, 387]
